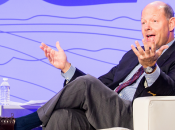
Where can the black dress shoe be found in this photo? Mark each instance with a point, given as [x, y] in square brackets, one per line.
[7, 123]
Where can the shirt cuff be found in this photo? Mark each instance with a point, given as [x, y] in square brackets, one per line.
[69, 74]
[151, 78]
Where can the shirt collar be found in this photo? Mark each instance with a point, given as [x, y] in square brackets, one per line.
[169, 44]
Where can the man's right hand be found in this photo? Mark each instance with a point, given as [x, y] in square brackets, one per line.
[56, 58]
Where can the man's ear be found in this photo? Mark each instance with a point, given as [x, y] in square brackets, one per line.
[172, 23]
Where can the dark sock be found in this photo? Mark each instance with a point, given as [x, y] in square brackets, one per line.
[27, 122]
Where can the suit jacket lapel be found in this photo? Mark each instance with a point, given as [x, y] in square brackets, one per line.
[124, 70]
[166, 55]
[124, 73]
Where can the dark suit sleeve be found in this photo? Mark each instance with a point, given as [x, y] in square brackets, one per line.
[112, 75]
[120, 71]
[76, 74]
[163, 86]
[108, 77]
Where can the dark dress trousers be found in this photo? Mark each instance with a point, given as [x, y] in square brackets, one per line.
[87, 103]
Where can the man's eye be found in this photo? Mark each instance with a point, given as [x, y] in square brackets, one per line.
[155, 20]
[143, 22]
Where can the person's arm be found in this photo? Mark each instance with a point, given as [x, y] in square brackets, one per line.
[151, 78]
[148, 59]
[117, 73]
[108, 77]
[164, 84]
[71, 74]
[57, 58]
[149, 56]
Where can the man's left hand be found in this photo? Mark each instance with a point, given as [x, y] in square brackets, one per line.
[149, 56]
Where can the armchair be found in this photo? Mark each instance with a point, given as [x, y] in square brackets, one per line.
[153, 113]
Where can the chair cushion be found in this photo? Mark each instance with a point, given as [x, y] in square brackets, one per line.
[154, 113]
[115, 128]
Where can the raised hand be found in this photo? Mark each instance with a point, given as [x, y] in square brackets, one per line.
[56, 58]
[149, 56]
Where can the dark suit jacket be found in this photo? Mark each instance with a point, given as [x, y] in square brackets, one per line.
[163, 86]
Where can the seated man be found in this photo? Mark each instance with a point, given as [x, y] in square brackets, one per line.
[87, 103]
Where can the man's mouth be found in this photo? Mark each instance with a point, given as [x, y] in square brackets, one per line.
[150, 37]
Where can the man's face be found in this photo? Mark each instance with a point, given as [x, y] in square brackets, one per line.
[155, 26]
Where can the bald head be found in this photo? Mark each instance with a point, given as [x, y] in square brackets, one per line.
[168, 10]
[158, 23]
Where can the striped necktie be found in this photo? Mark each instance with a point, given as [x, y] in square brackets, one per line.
[131, 80]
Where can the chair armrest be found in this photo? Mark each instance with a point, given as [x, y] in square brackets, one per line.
[115, 128]
[154, 113]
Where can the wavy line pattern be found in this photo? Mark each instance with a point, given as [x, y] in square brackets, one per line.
[22, 60]
[21, 53]
[68, 50]
[25, 38]
[19, 98]
[91, 25]
[82, 17]
[95, 50]
[72, 32]
[28, 83]
[92, 58]
[46, 58]
[71, 25]
[35, 59]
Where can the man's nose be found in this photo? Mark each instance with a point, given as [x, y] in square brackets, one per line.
[147, 27]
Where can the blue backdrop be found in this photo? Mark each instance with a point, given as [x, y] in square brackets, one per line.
[95, 35]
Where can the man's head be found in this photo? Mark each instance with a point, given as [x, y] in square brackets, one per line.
[158, 23]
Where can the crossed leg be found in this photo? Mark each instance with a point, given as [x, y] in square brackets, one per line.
[103, 107]
[68, 119]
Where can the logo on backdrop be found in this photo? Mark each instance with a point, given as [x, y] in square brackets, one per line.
[87, 2]
[3, 1]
